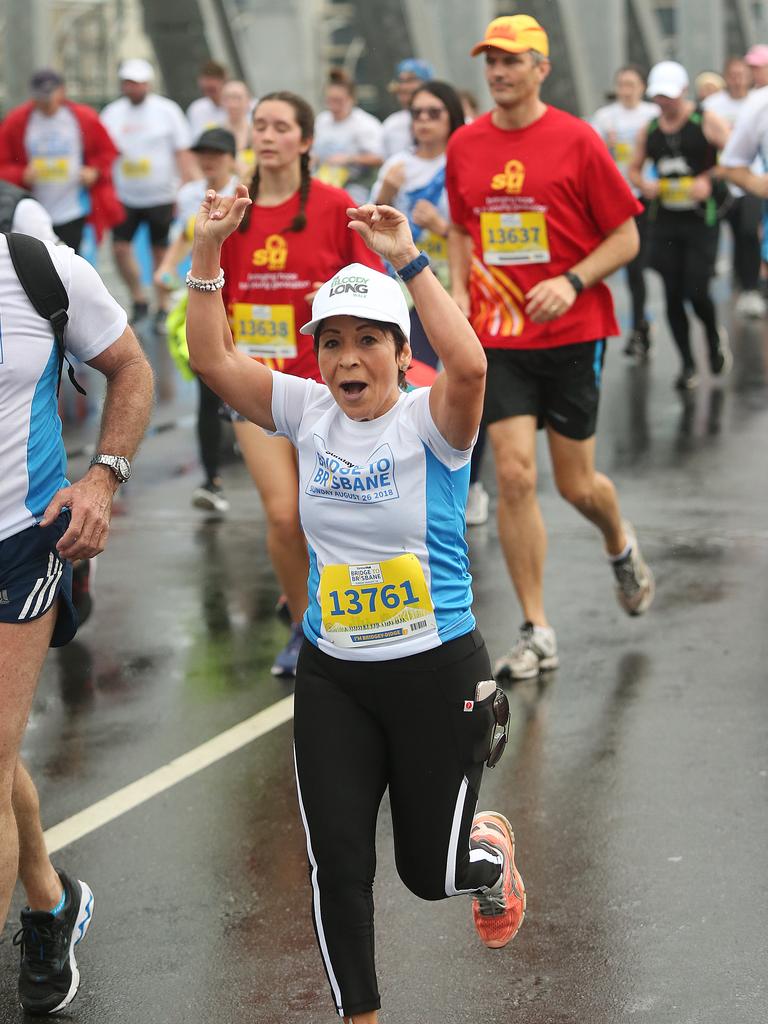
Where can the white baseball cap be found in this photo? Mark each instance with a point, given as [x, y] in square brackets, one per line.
[136, 70]
[359, 291]
[667, 78]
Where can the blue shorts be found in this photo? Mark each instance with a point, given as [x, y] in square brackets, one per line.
[33, 577]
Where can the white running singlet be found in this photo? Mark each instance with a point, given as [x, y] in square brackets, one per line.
[382, 507]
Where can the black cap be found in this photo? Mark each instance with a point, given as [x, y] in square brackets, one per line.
[220, 140]
[45, 81]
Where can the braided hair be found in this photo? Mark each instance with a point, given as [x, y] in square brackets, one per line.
[305, 118]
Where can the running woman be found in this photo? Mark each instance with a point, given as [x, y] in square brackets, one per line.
[682, 145]
[292, 238]
[619, 124]
[413, 181]
[393, 675]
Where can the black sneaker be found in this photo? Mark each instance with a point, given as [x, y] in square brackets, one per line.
[140, 312]
[638, 345]
[721, 360]
[49, 977]
[159, 321]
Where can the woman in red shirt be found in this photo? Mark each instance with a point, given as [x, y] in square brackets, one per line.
[293, 237]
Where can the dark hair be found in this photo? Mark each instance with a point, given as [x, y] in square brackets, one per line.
[338, 76]
[305, 118]
[448, 97]
[635, 69]
[212, 69]
[398, 337]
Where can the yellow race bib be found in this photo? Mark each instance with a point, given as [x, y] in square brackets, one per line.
[380, 603]
[268, 332]
[514, 238]
[50, 170]
[435, 246]
[136, 168]
[675, 193]
[622, 152]
[332, 174]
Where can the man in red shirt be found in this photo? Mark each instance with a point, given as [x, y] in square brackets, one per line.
[541, 215]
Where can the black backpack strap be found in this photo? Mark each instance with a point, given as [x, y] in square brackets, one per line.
[45, 290]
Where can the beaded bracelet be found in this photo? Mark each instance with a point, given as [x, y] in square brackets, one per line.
[201, 285]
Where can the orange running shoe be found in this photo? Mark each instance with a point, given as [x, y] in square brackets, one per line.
[498, 912]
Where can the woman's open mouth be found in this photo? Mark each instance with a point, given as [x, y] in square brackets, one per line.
[353, 388]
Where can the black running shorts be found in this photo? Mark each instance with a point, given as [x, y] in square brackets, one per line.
[559, 386]
[33, 578]
[159, 219]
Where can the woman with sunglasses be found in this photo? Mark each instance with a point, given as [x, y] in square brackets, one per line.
[413, 181]
[293, 236]
[393, 685]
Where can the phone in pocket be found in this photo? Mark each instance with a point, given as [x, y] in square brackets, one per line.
[484, 689]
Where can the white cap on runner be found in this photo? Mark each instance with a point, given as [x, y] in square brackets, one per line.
[136, 70]
[668, 78]
[360, 291]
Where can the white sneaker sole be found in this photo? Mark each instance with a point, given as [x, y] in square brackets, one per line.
[82, 924]
[505, 671]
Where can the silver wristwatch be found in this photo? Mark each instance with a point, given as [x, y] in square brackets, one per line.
[119, 465]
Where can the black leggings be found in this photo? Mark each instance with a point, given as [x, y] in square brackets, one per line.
[744, 217]
[209, 430]
[635, 273]
[360, 727]
[683, 251]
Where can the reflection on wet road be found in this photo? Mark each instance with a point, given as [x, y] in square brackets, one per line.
[635, 777]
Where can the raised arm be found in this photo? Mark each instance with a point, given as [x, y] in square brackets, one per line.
[242, 382]
[456, 399]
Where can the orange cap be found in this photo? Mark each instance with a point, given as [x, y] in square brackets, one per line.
[515, 34]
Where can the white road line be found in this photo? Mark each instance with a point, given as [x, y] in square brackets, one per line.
[137, 793]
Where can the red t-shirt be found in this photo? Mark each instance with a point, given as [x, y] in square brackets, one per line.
[268, 272]
[536, 202]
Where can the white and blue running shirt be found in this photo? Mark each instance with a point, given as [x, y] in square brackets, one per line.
[32, 458]
[375, 495]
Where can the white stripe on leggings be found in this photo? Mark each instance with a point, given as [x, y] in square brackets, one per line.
[316, 898]
[453, 845]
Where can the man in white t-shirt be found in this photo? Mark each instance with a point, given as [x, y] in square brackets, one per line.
[749, 143]
[396, 129]
[153, 137]
[619, 124]
[207, 111]
[348, 146]
[45, 524]
[745, 211]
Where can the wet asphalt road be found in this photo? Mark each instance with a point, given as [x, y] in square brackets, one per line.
[636, 775]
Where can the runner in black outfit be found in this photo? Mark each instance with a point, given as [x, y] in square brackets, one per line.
[682, 144]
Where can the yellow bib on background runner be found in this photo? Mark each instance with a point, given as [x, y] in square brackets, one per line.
[675, 193]
[622, 152]
[514, 238]
[377, 603]
[136, 168]
[332, 174]
[51, 170]
[268, 332]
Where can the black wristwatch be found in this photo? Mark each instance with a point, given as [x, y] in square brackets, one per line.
[578, 284]
[119, 465]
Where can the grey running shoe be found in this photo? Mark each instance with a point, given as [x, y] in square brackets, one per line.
[210, 497]
[635, 585]
[688, 379]
[534, 652]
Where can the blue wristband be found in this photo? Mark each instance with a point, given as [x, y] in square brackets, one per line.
[414, 267]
